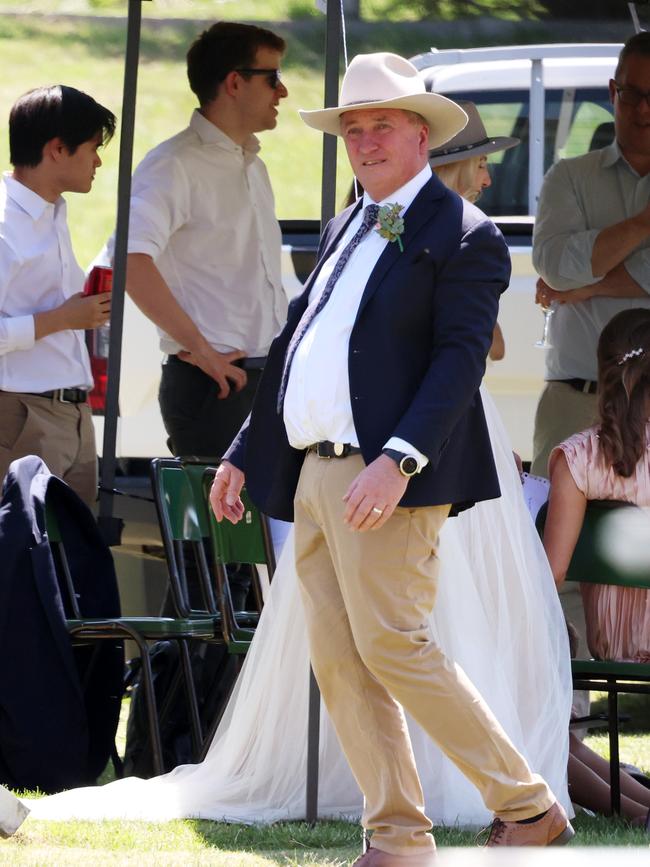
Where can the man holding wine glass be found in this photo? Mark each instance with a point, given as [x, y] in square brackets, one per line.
[591, 246]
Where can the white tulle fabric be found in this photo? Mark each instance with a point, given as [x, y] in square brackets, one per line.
[497, 614]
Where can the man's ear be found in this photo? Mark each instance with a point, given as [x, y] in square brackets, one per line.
[231, 83]
[612, 90]
[423, 139]
[55, 150]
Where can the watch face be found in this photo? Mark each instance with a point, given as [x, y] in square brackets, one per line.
[408, 466]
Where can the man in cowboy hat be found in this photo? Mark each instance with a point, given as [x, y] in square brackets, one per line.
[368, 428]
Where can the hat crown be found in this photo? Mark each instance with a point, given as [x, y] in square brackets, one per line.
[471, 135]
[379, 77]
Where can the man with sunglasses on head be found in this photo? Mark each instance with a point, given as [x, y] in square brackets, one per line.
[591, 246]
[204, 242]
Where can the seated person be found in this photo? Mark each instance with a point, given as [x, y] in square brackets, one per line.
[609, 461]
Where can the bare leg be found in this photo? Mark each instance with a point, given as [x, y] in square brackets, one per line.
[630, 787]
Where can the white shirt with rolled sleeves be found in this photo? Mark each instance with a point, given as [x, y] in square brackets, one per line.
[579, 198]
[202, 207]
[317, 404]
[38, 272]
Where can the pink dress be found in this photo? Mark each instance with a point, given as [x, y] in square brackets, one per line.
[617, 618]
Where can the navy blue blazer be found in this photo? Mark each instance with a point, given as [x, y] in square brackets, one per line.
[416, 358]
[59, 704]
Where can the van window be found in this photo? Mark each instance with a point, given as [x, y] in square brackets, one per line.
[577, 120]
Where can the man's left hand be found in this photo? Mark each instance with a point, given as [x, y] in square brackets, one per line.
[372, 497]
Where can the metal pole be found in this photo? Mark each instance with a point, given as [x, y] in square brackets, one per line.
[536, 142]
[635, 17]
[109, 525]
[333, 34]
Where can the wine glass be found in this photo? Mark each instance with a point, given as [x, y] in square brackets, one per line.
[544, 342]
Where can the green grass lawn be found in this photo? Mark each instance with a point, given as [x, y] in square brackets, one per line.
[295, 844]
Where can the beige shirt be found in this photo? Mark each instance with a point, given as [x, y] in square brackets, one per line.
[202, 207]
[579, 198]
[38, 272]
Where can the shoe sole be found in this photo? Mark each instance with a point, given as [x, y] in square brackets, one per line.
[563, 838]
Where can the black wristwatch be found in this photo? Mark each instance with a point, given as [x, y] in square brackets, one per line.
[408, 465]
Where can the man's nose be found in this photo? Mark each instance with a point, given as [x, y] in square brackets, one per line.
[367, 142]
[282, 90]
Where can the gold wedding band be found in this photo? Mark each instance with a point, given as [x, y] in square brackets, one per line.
[377, 511]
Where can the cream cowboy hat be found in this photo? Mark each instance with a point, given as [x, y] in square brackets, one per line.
[471, 141]
[389, 81]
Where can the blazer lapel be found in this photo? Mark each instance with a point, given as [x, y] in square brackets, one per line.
[422, 209]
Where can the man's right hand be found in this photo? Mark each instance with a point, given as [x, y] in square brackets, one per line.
[224, 494]
[219, 366]
[77, 312]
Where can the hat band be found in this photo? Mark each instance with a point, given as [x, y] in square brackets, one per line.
[446, 151]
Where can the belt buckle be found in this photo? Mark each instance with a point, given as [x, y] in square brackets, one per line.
[59, 395]
[321, 455]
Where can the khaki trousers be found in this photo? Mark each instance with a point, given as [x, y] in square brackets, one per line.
[367, 597]
[62, 434]
[562, 411]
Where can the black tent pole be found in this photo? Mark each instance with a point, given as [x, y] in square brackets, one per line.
[333, 34]
[107, 523]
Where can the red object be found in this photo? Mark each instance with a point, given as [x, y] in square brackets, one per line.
[99, 280]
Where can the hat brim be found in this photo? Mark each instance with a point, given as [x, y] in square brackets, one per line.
[499, 143]
[444, 118]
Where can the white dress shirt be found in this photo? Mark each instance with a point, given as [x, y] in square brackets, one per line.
[317, 403]
[38, 272]
[579, 198]
[202, 207]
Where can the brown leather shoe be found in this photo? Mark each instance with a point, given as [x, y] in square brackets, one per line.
[378, 858]
[552, 829]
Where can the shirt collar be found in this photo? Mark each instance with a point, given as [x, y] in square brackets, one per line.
[209, 133]
[405, 195]
[612, 155]
[27, 199]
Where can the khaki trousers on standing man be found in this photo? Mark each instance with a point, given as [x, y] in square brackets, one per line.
[367, 598]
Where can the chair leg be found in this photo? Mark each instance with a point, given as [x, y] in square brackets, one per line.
[152, 708]
[192, 703]
[614, 767]
[214, 725]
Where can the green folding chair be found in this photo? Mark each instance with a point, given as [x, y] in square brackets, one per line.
[141, 630]
[592, 563]
[245, 543]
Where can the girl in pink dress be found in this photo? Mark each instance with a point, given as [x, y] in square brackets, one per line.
[610, 461]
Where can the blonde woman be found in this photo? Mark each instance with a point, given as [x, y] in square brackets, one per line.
[462, 166]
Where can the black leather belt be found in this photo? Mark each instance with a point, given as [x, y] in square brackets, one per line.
[326, 449]
[588, 386]
[65, 395]
[257, 362]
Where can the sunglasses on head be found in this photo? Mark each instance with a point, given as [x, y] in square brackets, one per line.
[273, 76]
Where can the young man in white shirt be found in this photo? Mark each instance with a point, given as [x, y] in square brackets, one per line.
[204, 243]
[54, 136]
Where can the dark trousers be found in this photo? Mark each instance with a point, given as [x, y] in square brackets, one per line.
[198, 424]
[196, 421]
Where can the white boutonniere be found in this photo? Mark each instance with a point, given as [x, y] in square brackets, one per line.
[389, 223]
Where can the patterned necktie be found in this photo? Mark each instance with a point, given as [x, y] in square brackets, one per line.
[369, 221]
